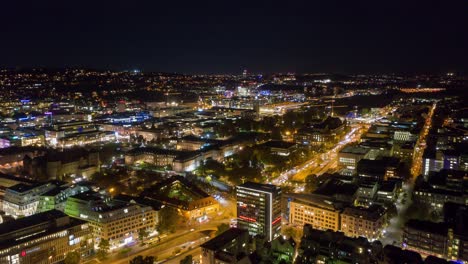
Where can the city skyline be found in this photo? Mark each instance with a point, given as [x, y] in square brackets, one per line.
[208, 132]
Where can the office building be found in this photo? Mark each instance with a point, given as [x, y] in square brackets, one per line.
[259, 209]
[44, 238]
[21, 199]
[319, 211]
[116, 221]
[349, 156]
[426, 238]
[57, 197]
[366, 222]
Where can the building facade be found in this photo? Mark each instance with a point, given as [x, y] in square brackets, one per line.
[259, 209]
[426, 238]
[116, 221]
[22, 200]
[44, 238]
[315, 210]
[365, 222]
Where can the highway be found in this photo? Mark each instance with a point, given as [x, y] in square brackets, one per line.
[421, 144]
[185, 239]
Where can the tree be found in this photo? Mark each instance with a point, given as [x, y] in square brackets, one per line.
[142, 234]
[143, 260]
[187, 260]
[312, 182]
[168, 219]
[72, 257]
[276, 133]
[221, 228]
[103, 250]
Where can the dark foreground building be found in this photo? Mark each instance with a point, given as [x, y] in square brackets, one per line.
[43, 238]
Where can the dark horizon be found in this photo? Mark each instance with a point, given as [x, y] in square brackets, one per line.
[209, 37]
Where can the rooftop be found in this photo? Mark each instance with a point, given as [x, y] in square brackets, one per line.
[427, 226]
[26, 229]
[21, 187]
[259, 186]
[278, 144]
[354, 150]
[221, 240]
[373, 212]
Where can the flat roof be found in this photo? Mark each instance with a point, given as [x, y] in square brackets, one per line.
[259, 186]
[14, 232]
[221, 240]
[279, 144]
[21, 187]
[21, 223]
[428, 226]
[354, 150]
[315, 200]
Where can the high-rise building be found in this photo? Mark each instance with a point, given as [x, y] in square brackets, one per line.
[259, 209]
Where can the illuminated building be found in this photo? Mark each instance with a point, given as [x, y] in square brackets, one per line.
[32, 140]
[114, 220]
[281, 148]
[426, 238]
[21, 199]
[404, 151]
[75, 134]
[319, 246]
[155, 156]
[7, 181]
[432, 161]
[388, 191]
[56, 165]
[326, 131]
[179, 193]
[180, 160]
[316, 210]
[442, 187]
[349, 156]
[380, 169]
[227, 247]
[259, 209]
[366, 192]
[366, 222]
[44, 238]
[456, 217]
[57, 197]
[405, 136]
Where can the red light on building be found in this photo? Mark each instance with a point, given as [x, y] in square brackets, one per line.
[276, 220]
[23, 253]
[247, 218]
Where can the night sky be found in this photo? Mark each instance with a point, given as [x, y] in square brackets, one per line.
[227, 36]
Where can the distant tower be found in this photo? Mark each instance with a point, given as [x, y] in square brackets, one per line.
[244, 74]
